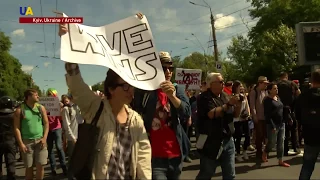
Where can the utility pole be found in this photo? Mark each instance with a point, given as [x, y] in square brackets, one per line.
[214, 38]
[212, 20]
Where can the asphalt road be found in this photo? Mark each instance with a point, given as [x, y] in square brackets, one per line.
[249, 170]
[244, 170]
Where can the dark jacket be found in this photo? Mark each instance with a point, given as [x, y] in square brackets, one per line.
[147, 112]
[308, 114]
[217, 128]
[6, 127]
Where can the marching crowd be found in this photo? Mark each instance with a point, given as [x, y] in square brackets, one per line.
[129, 133]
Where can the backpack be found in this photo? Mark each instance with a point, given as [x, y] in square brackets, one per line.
[286, 92]
[23, 107]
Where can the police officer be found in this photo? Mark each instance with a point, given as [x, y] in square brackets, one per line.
[7, 138]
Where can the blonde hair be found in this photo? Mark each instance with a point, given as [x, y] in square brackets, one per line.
[211, 77]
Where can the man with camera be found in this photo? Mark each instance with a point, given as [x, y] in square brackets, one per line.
[215, 117]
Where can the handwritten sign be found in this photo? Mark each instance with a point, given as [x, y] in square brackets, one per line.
[125, 46]
[52, 105]
[191, 78]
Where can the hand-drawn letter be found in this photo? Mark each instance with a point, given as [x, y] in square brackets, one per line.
[115, 49]
[134, 38]
[77, 34]
[146, 62]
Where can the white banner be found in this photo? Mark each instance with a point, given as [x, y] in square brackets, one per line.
[191, 78]
[125, 46]
[52, 105]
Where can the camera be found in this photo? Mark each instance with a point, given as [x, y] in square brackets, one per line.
[241, 97]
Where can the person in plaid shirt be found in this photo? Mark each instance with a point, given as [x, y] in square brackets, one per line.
[125, 151]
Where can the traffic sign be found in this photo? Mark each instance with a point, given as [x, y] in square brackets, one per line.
[218, 66]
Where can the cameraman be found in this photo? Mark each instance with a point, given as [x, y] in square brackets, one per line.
[215, 117]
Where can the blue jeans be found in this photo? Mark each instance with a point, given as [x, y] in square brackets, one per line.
[163, 168]
[277, 136]
[55, 136]
[309, 160]
[226, 161]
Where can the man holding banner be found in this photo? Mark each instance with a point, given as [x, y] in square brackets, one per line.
[162, 111]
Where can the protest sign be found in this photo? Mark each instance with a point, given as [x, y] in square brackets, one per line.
[52, 105]
[191, 78]
[125, 46]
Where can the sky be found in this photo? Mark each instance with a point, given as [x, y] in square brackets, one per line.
[172, 23]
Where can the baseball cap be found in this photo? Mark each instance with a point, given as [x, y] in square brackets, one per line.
[165, 57]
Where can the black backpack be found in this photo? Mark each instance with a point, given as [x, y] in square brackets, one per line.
[286, 92]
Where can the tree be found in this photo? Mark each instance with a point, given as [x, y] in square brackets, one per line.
[197, 60]
[13, 81]
[269, 54]
[273, 13]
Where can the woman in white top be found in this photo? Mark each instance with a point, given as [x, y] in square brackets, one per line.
[241, 122]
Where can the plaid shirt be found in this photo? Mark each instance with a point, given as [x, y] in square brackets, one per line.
[120, 160]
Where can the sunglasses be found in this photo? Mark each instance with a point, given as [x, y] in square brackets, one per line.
[171, 68]
[125, 86]
[220, 82]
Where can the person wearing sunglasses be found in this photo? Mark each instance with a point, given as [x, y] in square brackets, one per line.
[125, 151]
[163, 111]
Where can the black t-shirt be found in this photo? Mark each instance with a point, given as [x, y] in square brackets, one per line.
[287, 90]
[217, 128]
[273, 111]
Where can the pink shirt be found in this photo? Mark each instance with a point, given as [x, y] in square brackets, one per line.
[54, 122]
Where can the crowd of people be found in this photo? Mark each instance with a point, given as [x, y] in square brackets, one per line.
[146, 134]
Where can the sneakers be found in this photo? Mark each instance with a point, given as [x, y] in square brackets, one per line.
[239, 158]
[251, 148]
[188, 159]
[245, 155]
[283, 164]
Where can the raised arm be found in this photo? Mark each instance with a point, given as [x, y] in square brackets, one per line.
[82, 94]
[87, 101]
[182, 102]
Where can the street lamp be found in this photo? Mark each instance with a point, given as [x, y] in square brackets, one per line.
[30, 72]
[204, 52]
[212, 26]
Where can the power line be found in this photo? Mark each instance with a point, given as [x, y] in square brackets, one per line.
[44, 35]
[55, 33]
[233, 25]
[186, 22]
[232, 13]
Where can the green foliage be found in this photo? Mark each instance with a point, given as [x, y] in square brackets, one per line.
[271, 46]
[273, 13]
[98, 86]
[13, 81]
[197, 60]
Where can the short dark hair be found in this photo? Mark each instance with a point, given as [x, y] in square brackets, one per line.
[270, 85]
[64, 97]
[315, 76]
[29, 92]
[283, 74]
[110, 82]
[235, 86]
[229, 83]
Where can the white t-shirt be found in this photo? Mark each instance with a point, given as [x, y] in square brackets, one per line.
[243, 107]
